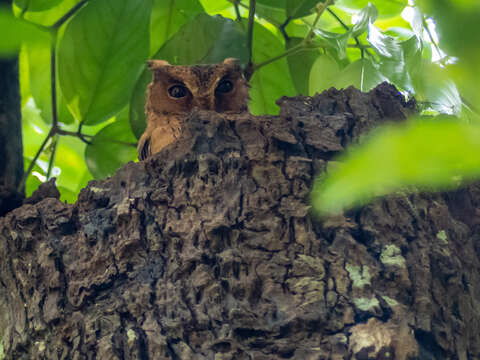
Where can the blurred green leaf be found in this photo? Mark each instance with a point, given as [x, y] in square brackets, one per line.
[323, 74]
[300, 65]
[101, 55]
[111, 147]
[205, 39]
[36, 5]
[386, 8]
[428, 154]
[49, 16]
[168, 17]
[37, 58]
[300, 8]
[16, 31]
[272, 81]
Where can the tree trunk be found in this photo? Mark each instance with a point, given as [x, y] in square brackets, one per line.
[208, 251]
[11, 151]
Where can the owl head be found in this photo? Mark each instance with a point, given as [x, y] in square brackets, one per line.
[179, 89]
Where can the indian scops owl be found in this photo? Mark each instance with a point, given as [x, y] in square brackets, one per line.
[177, 90]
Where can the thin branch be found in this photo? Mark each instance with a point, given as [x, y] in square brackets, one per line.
[53, 81]
[249, 70]
[67, 16]
[290, 51]
[21, 186]
[237, 10]
[346, 27]
[320, 9]
[282, 30]
[52, 157]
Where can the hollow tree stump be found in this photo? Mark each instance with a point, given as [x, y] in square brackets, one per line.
[208, 250]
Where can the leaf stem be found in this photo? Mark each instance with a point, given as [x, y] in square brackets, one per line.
[52, 157]
[237, 9]
[53, 80]
[21, 186]
[67, 16]
[249, 70]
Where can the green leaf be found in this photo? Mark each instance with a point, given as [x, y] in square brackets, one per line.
[333, 41]
[362, 74]
[37, 57]
[168, 17]
[428, 154]
[300, 8]
[111, 147]
[272, 81]
[206, 39]
[36, 5]
[300, 65]
[101, 55]
[16, 31]
[272, 11]
[386, 8]
[323, 74]
[366, 16]
[393, 64]
[49, 16]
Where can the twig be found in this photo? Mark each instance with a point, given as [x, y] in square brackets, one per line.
[237, 10]
[52, 157]
[249, 70]
[21, 186]
[53, 80]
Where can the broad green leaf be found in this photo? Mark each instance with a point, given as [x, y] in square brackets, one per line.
[272, 81]
[49, 16]
[334, 41]
[428, 154]
[70, 166]
[168, 17]
[271, 10]
[206, 39]
[393, 64]
[300, 8]
[101, 55]
[300, 65]
[361, 74]
[37, 58]
[365, 17]
[16, 31]
[215, 6]
[386, 8]
[438, 91]
[323, 74]
[36, 5]
[111, 147]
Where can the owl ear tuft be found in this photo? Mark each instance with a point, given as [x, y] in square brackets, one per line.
[157, 64]
[231, 61]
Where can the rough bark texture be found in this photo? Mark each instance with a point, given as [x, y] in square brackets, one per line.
[208, 251]
[11, 158]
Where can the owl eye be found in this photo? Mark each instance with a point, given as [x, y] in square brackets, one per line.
[177, 91]
[224, 87]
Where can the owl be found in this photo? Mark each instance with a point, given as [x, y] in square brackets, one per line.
[177, 90]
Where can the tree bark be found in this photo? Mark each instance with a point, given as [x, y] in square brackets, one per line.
[208, 250]
[11, 151]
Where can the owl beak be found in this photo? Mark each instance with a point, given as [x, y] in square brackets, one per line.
[204, 103]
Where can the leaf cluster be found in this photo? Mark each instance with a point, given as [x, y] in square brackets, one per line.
[83, 73]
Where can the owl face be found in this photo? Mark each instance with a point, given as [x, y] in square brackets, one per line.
[180, 89]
